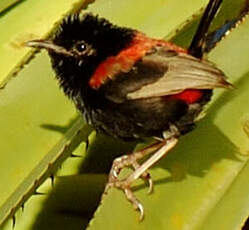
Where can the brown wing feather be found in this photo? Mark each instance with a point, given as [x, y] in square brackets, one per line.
[183, 72]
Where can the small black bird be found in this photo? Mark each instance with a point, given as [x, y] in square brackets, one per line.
[130, 86]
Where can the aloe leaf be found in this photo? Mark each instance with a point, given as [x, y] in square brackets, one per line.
[46, 167]
[26, 121]
[70, 203]
[29, 20]
[6, 4]
[156, 18]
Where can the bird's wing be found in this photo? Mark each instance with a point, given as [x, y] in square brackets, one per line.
[182, 72]
[163, 72]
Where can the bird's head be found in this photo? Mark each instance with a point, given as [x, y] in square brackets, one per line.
[79, 45]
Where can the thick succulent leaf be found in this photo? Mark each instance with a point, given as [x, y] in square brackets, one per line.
[66, 206]
[28, 20]
[30, 120]
[203, 180]
[6, 4]
[46, 168]
[156, 19]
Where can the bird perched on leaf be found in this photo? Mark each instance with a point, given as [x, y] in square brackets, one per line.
[131, 86]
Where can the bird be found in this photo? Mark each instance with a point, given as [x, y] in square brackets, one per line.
[131, 86]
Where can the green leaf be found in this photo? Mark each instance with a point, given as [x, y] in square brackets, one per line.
[46, 168]
[28, 20]
[7, 4]
[31, 123]
[156, 19]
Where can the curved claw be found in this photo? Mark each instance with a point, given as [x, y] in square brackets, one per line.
[146, 177]
[116, 172]
[136, 203]
[141, 210]
[150, 190]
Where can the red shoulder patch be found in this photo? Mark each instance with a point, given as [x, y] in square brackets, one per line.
[126, 58]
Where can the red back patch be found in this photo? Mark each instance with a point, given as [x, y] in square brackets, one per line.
[126, 58]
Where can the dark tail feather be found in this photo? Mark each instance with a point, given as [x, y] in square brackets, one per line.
[197, 45]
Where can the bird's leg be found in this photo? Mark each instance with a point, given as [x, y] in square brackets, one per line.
[130, 160]
[159, 149]
[145, 176]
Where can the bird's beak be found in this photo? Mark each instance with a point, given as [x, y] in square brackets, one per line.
[48, 45]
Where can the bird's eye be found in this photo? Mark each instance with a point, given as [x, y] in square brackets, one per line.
[80, 47]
